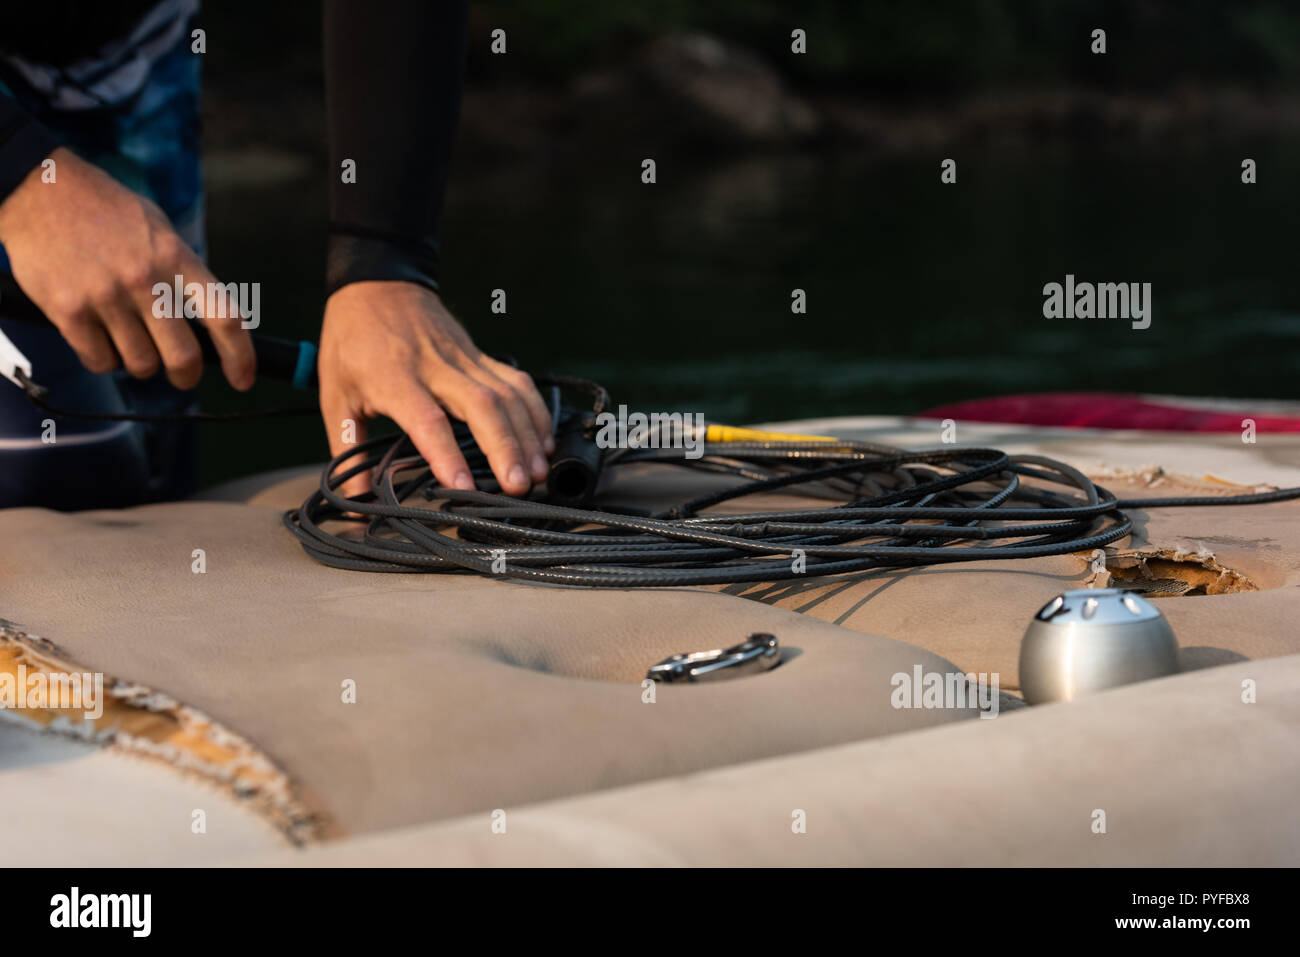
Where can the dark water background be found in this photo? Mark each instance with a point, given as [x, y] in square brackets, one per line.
[677, 295]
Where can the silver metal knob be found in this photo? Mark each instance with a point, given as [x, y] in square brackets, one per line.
[1092, 639]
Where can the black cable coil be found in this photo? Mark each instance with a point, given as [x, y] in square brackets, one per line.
[899, 509]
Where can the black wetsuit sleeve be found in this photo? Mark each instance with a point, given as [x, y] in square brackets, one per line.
[23, 144]
[393, 77]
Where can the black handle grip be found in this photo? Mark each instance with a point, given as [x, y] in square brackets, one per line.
[576, 463]
[284, 360]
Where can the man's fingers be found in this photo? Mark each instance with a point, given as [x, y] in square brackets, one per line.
[489, 420]
[223, 323]
[178, 347]
[521, 424]
[90, 341]
[130, 338]
[538, 414]
[422, 418]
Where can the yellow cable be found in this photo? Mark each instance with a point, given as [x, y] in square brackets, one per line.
[731, 433]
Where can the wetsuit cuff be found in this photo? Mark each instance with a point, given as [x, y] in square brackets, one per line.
[23, 144]
[353, 258]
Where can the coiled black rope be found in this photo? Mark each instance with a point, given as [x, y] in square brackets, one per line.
[897, 509]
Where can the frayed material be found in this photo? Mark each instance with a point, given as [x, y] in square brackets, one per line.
[140, 721]
[1170, 572]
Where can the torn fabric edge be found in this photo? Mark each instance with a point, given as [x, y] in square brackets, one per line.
[1160, 571]
[140, 721]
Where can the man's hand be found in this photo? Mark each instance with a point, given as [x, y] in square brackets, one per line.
[88, 252]
[391, 348]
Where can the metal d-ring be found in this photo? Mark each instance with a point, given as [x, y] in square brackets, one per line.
[759, 652]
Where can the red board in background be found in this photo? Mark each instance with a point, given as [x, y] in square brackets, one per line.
[1105, 410]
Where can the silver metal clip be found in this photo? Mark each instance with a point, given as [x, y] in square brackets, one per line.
[759, 652]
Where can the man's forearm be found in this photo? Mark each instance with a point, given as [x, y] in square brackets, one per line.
[393, 77]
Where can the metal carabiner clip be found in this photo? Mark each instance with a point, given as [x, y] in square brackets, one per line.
[759, 652]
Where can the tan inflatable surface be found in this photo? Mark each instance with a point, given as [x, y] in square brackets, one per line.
[1023, 790]
[475, 696]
